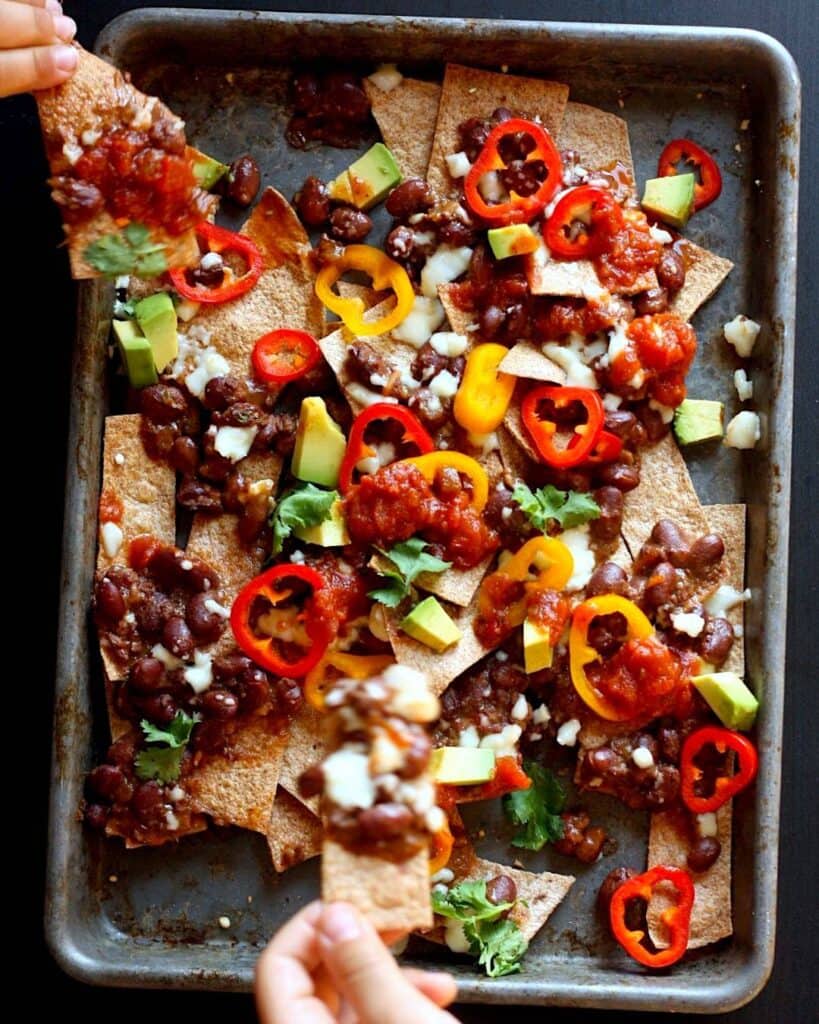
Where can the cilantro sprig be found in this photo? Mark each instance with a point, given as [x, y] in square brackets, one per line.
[162, 759]
[497, 941]
[566, 508]
[130, 252]
[536, 810]
[408, 560]
[307, 506]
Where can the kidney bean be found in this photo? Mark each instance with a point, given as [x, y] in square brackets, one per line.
[647, 303]
[148, 804]
[164, 567]
[220, 392]
[78, 200]
[163, 403]
[311, 781]
[667, 534]
[716, 640]
[151, 613]
[620, 475]
[210, 276]
[501, 889]
[241, 183]
[472, 135]
[184, 455]
[606, 633]
[209, 736]
[147, 675]
[620, 422]
[400, 246]
[416, 757]
[491, 321]
[96, 816]
[220, 704]
[312, 202]
[611, 883]
[110, 783]
[289, 695]
[516, 147]
[349, 225]
[703, 853]
[177, 637]
[660, 587]
[167, 134]
[122, 752]
[160, 708]
[200, 577]
[665, 786]
[588, 849]
[607, 578]
[230, 666]
[705, 552]
[603, 761]
[670, 270]
[523, 177]
[110, 604]
[198, 496]
[412, 196]
[607, 525]
[206, 625]
[385, 821]
[253, 690]
[669, 742]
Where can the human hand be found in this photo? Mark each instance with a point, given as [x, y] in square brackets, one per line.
[328, 966]
[33, 54]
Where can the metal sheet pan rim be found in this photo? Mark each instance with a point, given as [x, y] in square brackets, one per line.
[105, 961]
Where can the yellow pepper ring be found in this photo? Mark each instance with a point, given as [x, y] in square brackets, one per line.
[384, 272]
[430, 464]
[555, 573]
[581, 653]
[484, 394]
[355, 666]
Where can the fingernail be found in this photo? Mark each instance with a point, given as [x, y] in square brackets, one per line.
[339, 923]
[65, 58]
[54, 6]
[66, 28]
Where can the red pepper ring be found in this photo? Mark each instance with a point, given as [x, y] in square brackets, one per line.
[357, 450]
[542, 431]
[725, 786]
[709, 185]
[676, 918]
[517, 209]
[220, 240]
[606, 448]
[263, 649]
[284, 355]
[582, 223]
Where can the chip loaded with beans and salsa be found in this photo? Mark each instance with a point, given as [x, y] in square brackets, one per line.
[372, 551]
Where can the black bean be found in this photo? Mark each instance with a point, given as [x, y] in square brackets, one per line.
[313, 202]
[230, 666]
[148, 804]
[109, 782]
[160, 709]
[242, 180]
[349, 225]
[501, 889]
[703, 853]
[385, 821]
[147, 675]
[220, 704]
[412, 196]
[177, 637]
[253, 690]
[607, 578]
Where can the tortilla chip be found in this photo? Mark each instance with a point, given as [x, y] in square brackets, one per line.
[393, 897]
[282, 297]
[516, 463]
[471, 92]
[513, 422]
[600, 138]
[704, 273]
[729, 522]
[89, 98]
[711, 914]
[574, 278]
[440, 669]
[461, 321]
[526, 360]
[308, 744]
[406, 119]
[240, 789]
[293, 833]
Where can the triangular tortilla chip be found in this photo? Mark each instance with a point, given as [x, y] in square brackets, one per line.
[600, 138]
[461, 321]
[406, 119]
[471, 92]
[308, 744]
[711, 914]
[294, 834]
[525, 359]
[513, 422]
[729, 522]
[94, 97]
[704, 273]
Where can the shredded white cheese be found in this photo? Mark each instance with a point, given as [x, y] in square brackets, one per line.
[468, 737]
[164, 655]
[724, 599]
[347, 778]
[444, 384]
[111, 537]
[411, 696]
[504, 743]
[541, 715]
[744, 385]
[688, 622]
[386, 77]
[744, 430]
[573, 356]
[449, 344]
[234, 443]
[742, 334]
[446, 264]
[458, 164]
[425, 317]
[567, 733]
[707, 825]
[577, 540]
[199, 676]
[520, 709]
[642, 757]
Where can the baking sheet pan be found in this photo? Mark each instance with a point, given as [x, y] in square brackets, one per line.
[150, 917]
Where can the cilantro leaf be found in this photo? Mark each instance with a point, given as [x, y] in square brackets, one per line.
[308, 506]
[409, 560]
[499, 945]
[163, 762]
[131, 252]
[536, 809]
[566, 508]
[467, 901]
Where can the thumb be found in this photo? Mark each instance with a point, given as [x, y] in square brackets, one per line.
[366, 974]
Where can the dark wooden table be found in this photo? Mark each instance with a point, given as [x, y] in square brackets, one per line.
[32, 226]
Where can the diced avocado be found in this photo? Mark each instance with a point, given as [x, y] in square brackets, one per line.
[368, 179]
[320, 444]
[430, 624]
[729, 698]
[513, 240]
[157, 318]
[330, 533]
[670, 198]
[206, 170]
[462, 766]
[698, 419]
[137, 354]
[537, 647]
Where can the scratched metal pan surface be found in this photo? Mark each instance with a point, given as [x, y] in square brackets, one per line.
[150, 917]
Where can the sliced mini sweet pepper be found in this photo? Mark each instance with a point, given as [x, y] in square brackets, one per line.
[677, 918]
[264, 594]
[353, 666]
[357, 449]
[219, 240]
[441, 848]
[284, 355]
[484, 393]
[542, 431]
[582, 654]
[517, 209]
[707, 177]
[430, 464]
[725, 786]
[582, 223]
[385, 274]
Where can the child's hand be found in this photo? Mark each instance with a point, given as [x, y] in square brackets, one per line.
[33, 50]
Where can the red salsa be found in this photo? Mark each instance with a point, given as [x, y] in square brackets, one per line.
[643, 679]
[631, 251]
[656, 359]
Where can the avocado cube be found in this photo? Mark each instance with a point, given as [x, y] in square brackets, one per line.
[156, 317]
[697, 420]
[462, 766]
[320, 445]
[670, 198]
[137, 354]
[537, 647]
[367, 180]
[429, 624]
[729, 698]
[513, 240]
[330, 533]
[206, 170]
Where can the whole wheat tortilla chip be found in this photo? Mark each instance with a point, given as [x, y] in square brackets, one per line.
[704, 273]
[525, 359]
[308, 744]
[461, 321]
[240, 789]
[90, 99]
[294, 834]
[513, 422]
[406, 119]
[457, 586]
[392, 896]
[574, 278]
[729, 522]
[601, 139]
[711, 914]
[471, 92]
